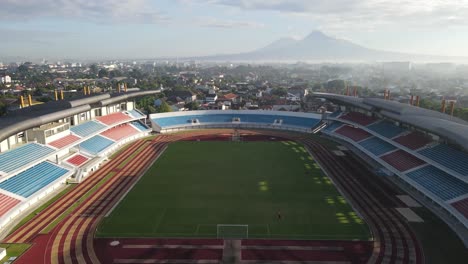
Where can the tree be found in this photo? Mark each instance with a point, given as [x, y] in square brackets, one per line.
[192, 106]
[103, 73]
[93, 69]
[164, 108]
[279, 92]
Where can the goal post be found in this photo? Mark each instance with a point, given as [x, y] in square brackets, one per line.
[226, 231]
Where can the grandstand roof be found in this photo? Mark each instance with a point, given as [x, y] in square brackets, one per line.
[452, 128]
[34, 116]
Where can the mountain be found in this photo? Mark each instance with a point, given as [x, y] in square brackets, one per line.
[319, 47]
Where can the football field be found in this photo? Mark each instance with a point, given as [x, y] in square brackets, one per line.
[196, 186]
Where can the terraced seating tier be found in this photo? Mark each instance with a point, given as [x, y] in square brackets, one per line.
[135, 114]
[401, 160]
[33, 179]
[377, 146]
[21, 156]
[335, 114]
[65, 141]
[386, 129]
[333, 127]
[140, 126]
[96, 144]
[462, 207]
[413, 140]
[355, 134]
[6, 203]
[438, 182]
[449, 157]
[87, 129]
[244, 118]
[119, 132]
[77, 160]
[113, 118]
[358, 118]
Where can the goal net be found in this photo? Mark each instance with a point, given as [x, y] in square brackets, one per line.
[232, 231]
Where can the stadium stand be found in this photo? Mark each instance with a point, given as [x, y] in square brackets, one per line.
[21, 156]
[77, 160]
[401, 160]
[96, 144]
[6, 203]
[65, 141]
[413, 140]
[386, 129]
[113, 118]
[33, 179]
[438, 182]
[332, 127]
[335, 114]
[355, 134]
[462, 207]
[119, 132]
[244, 118]
[358, 118]
[449, 157]
[140, 126]
[377, 146]
[135, 114]
[87, 128]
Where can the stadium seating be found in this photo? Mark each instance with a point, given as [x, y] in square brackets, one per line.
[449, 157]
[244, 118]
[119, 132]
[462, 207]
[77, 160]
[95, 144]
[33, 179]
[140, 126]
[377, 146]
[113, 118]
[438, 182]
[355, 134]
[386, 129]
[335, 114]
[6, 203]
[332, 127]
[358, 118]
[135, 114]
[65, 141]
[21, 156]
[401, 160]
[87, 129]
[413, 140]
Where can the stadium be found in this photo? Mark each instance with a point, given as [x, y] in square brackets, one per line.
[94, 180]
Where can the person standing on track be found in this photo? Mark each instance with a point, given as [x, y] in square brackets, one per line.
[278, 214]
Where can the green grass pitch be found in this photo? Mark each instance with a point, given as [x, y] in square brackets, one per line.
[194, 186]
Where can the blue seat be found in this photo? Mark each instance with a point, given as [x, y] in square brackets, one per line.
[96, 144]
[21, 156]
[140, 126]
[332, 127]
[377, 146]
[33, 179]
[135, 114]
[439, 183]
[386, 129]
[87, 128]
[304, 122]
[449, 157]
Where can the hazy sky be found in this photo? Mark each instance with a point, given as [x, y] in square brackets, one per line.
[154, 28]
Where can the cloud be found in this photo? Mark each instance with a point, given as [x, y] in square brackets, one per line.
[338, 15]
[102, 11]
[217, 23]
